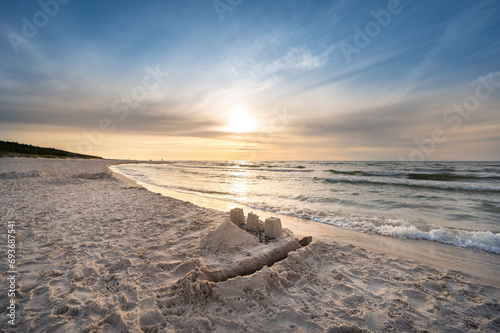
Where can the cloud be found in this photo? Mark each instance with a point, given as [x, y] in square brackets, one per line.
[399, 124]
[255, 75]
[297, 59]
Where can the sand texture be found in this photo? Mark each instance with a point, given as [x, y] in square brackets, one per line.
[99, 255]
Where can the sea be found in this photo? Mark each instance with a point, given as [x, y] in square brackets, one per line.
[455, 203]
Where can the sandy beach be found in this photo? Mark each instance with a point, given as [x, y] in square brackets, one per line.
[95, 253]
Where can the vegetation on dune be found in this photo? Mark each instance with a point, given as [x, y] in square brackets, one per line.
[10, 149]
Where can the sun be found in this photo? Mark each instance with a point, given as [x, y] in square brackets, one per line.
[240, 120]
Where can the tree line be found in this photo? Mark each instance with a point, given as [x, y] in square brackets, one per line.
[8, 148]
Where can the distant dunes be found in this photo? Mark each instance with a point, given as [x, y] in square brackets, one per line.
[14, 149]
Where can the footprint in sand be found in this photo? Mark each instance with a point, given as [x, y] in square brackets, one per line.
[128, 298]
[58, 288]
[150, 318]
[415, 296]
[39, 299]
[343, 289]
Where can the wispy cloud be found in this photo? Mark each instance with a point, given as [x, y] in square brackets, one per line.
[297, 59]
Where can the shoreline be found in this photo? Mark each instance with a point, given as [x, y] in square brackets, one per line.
[98, 254]
[481, 264]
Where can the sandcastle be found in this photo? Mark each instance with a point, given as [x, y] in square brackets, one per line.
[270, 229]
[243, 240]
[272, 226]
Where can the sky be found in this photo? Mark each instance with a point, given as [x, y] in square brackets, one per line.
[253, 80]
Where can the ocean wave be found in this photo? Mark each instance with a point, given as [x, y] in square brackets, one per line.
[256, 168]
[415, 183]
[447, 177]
[198, 166]
[195, 190]
[365, 173]
[398, 228]
[480, 240]
[245, 167]
[440, 176]
[288, 170]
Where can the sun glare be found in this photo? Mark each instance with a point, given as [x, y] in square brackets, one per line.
[240, 121]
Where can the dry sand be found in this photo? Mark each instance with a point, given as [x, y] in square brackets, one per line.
[99, 255]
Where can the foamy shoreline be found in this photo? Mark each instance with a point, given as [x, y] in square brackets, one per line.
[96, 254]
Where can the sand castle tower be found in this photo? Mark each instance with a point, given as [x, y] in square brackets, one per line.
[237, 217]
[253, 222]
[272, 227]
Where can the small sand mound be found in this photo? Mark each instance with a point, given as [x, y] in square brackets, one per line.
[228, 237]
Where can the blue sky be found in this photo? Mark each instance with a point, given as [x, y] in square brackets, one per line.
[323, 80]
